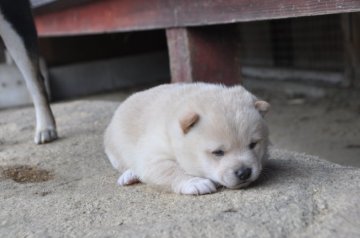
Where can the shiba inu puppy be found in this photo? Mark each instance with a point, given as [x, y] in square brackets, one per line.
[189, 138]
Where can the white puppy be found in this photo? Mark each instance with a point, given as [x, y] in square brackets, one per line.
[189, 137]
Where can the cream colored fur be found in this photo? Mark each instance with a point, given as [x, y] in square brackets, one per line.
[167, 136]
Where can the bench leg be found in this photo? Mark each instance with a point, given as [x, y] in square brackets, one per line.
[208, 54]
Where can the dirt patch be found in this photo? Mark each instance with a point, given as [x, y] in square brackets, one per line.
[26, 174]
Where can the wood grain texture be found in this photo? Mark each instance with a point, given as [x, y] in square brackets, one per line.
[129, 15]
[207, 54]
[350, 24]
[179, 54]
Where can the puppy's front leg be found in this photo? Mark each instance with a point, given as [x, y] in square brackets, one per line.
[167, 173]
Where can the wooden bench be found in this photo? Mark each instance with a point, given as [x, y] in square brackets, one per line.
[200, 36]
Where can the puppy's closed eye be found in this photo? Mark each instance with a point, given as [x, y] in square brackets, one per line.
[218, 153]
[252, 145]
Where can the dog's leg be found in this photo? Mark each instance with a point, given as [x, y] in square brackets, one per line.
[19, 35]
[167, 173]
[128, 178]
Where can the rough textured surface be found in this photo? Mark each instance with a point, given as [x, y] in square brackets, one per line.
[297, 196]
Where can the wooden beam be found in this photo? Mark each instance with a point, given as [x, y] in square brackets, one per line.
[349, 54]
[356, 47]
[350, 27]
[206, 54]
[129, 15]
[179, 54]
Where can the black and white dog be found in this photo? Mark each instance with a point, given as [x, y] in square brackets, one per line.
[18, 32]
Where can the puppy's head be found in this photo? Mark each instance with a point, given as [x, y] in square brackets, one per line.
[225, 140]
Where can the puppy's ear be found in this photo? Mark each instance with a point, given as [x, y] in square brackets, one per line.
[188, 121]
[262, 107]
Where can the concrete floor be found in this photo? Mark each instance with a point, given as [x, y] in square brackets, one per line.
[68, 188]
[323, 127]
[307, 119]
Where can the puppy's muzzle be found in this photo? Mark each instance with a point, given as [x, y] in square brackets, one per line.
[243, 174]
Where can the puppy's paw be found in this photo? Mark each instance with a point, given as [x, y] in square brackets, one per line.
[45, 135]
[128, 178]
[197, 186]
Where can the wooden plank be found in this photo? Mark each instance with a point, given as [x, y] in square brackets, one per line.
[349, 54]
[350, 27]
[129, 15]
[356, 47]
[105, 16]
[291, 74]
[179, 54]
[206, 54]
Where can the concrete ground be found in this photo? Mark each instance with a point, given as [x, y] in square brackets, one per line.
[68, 189]
[314, 120]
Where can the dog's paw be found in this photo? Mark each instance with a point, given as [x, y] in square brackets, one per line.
[44, 136]
[128, 178]
[197, 186]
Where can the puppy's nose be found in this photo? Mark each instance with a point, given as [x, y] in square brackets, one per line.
[243, 173]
